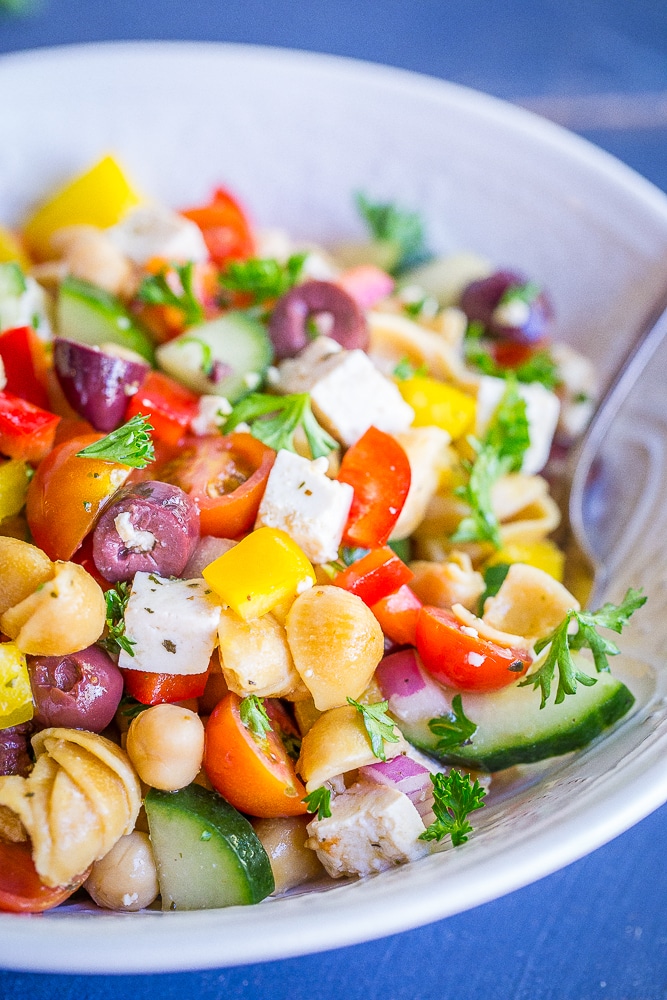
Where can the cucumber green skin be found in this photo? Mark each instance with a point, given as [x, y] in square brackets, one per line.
[512, 729]
[92, 316]
[176, 821]
[235, 339]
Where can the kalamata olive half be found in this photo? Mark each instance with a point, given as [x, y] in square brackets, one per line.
[14, 754]
[312, 301]
[150, 527]
[97, 383]
[508, 307]
[78, 691]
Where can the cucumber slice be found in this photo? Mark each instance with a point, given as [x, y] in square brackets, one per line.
[90, 315]
[207, 854]
[237, 344]
[513, 729]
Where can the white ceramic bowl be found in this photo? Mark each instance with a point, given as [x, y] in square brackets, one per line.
[294, 135]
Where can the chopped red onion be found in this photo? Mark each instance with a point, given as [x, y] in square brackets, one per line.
[411, 693]
[407, 776]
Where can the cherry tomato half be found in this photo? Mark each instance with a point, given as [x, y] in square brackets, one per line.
[21, 889]
[225, 476]
[154, 689]
[378, 470]
[457, 656]
[224, 226]
[255, 776]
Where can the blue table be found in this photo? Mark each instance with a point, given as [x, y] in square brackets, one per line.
[596, 930]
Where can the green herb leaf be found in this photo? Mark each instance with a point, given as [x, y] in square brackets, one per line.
[263, 279]
[508, 432]
[455, 796]
[129, 445]
[493, 580]
[405, 369]
[319, 801]
[379, 726]
[539, 367]
[561, 642]
[156, 290]
[130, 708]
[116, 599]
[390, 224]
[526, 292]
[275, 420]
[254, 717]
[453, 729]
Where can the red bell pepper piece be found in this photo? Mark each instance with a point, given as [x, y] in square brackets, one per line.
[379, 573]
[155, 689]
[397, 614]
[27, 432]
[378, 470]
[225, 228]
[24, 360]
[169, 406]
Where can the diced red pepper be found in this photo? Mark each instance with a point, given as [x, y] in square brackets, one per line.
[155, 689]
[378, 470]
[26, 431]
[225, 228]
[24, 360]
[379, 573]
[169, 406]
[397, 614]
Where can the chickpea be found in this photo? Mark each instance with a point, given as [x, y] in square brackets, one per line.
[126, 877]
[166, 746]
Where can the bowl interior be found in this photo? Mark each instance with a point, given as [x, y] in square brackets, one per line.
[294, 135]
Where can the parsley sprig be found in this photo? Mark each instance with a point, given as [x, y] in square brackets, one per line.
[116, 599]
[275, 420]
[390, 224]
[156, 290]
[379, 726]
[452, 729]
[130, 445]
[562, 641]
[254, 717]
[500, 451]
[539, 367]
[455, 796]
[262, 279]
[319, 801]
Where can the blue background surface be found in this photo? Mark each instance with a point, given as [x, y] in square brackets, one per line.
[598, 929]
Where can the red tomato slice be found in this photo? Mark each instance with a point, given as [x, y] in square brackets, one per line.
[27, 432]
[169, 406]
[397, 614]
[66, 494]
[225, 476]
[378, 470]
[225, 228]
[255, 776]
[455, 655]
[379, 573]
[21, 889]
[155, 689]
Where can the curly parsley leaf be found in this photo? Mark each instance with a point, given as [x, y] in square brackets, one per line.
[116, 599]
[254, 717]
[390, 224]
[500, 451]
[538, 367]
[455, 796]
[453, 729]
[493, 581]
[405, 369]
[262, 279]
[157, 290]
[319, 801]
[379, 726]
[561, 642]
[130, 708]
[130, 445]
[275, 420]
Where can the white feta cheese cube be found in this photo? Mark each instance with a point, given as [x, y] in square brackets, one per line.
[347, 392]
[155, 231]
[542, 410]
[211, 414]
[371, 828]
[302, 501]
[173, 623]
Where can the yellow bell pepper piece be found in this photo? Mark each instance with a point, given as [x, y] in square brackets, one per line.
[439, 405]
[99, 197]
[15, 693]
[263, 569]
[544, 555]
[11, 249]
[13, 487]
